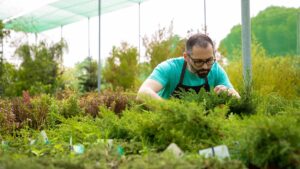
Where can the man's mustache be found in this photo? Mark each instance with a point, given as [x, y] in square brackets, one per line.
[203, 70]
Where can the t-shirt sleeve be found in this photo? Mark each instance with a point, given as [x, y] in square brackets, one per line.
[161, 73]
[222, 78]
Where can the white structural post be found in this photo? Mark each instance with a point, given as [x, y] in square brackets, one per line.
[139, 31]
[246, 43]
[298, 35]
[89, 36]
[205, 27]
[99, 59]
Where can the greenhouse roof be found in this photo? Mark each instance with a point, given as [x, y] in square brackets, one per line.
[54, 14]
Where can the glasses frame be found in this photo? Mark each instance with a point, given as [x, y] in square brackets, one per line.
[200, 62]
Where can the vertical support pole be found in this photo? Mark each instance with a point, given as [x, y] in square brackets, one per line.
[2, 49]
[139, 32]
[61, 41]
[99, 59]
[61, 32]
[246, 44]
[298, 34]
[205, 27]
[89, 49]
[36, 38]
[1, 61]
[1, 53]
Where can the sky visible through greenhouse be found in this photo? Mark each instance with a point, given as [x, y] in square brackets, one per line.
[122, 25]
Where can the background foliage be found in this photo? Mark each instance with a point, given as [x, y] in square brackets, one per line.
[271, 27]
[121, 67]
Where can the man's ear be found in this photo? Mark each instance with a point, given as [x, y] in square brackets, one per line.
[185, 56]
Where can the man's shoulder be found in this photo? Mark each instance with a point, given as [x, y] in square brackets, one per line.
[173, 62]
[216, 67]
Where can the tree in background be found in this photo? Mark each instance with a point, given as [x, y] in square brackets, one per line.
[121, 67]
[87, 75]
[8, 80]
[271, 75]
[40, 69]
[3, 74]
[163, 45]
[275, 29]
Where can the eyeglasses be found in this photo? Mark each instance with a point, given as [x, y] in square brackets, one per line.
[199, 62]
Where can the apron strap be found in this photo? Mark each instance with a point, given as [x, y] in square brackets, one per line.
[206, 85]
[182, 73]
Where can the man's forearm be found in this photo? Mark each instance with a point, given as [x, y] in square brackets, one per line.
[144, 92]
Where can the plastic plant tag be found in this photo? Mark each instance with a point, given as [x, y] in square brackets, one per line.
[174, 149]
[78, 148]
[108, 142]
[220, 151]
[32, 141]
[71, 144]
[44, 135]
[4, 144]
[120, 150]
[37, 152]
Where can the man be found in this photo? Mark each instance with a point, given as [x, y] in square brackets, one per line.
[195, 70]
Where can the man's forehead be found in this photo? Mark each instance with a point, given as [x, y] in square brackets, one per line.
[208, 46]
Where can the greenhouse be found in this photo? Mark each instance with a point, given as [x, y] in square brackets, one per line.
[195, 93]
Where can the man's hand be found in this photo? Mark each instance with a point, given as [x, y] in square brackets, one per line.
[231, 92]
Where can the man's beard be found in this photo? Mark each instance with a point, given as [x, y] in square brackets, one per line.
[200, 72]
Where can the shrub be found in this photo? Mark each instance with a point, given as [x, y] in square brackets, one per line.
[270, 75]
[269, 141]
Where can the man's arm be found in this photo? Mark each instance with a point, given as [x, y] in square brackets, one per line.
[150, 88]
[223, 84]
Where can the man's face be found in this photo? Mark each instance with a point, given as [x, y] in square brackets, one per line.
[200, 60]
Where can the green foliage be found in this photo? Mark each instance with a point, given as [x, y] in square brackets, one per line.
[265, 139]
[87, 75]
[5, 77]
[31, 76]
[231, 45]
[1, 29]
[121, 67]
[39, 111]
[163, 45]
[70, 80]
[185, 124]
[3, 32]
[275, 29]
[70, 107]
[144, 70]
[269, 75]
[152, 160]
[100, 157]
[7, 118]
[271, 142]
[211, 100]
[8, 78]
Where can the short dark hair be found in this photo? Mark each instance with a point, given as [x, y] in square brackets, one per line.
[200, 40]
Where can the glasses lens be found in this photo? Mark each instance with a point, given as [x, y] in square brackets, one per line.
[211, 61]
[200, 63]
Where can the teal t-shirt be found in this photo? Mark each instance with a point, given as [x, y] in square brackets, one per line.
[168, 73]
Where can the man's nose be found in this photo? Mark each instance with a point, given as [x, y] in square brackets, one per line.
[205, 66]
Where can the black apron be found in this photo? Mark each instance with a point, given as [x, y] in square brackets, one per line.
[181, 87]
